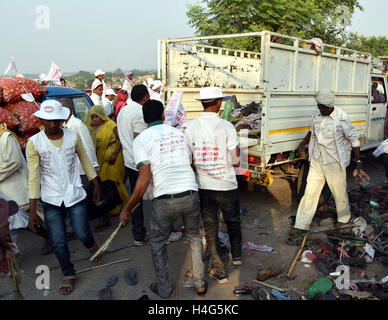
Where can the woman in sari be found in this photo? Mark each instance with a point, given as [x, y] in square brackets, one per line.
[109, 151]
[121, 102]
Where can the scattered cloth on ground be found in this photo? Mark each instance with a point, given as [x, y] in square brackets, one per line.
[250, 246]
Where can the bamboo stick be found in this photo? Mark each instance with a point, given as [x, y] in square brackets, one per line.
[270, 286]
[105, 246]
[102, 266]
[297, 257]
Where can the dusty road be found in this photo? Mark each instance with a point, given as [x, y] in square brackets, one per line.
[270, 210]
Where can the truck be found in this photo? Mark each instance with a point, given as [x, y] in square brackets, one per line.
[284, 77]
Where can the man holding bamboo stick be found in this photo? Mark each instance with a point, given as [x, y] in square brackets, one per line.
[161, 151]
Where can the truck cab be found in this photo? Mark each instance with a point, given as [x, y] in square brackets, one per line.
[81, 100]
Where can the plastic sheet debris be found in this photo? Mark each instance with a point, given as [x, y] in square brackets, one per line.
[360, 225]
[304, 258]
[370, 253]
[250, 246]
[224, 239]
[280, 296]
[322, 285]
[249, 224]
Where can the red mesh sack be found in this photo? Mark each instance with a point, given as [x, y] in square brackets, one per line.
[9, 119]
[12, 90]
[24, 111]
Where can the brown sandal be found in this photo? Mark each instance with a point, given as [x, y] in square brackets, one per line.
[67, 285]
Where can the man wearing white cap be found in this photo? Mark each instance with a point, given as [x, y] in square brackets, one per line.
[99, 79]
[55, 178]
[128, 83]
[108, 102]
[215, 148]
[331, 139]
[156, 88]
[97, 93]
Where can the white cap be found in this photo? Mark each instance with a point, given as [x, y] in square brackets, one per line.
[52, 110]
[212, 93]
[96, 83]
[108, 92]
[156, 84]
[325, 97]
[99, 72]
[42, 77]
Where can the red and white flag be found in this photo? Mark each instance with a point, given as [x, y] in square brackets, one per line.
[11, 65]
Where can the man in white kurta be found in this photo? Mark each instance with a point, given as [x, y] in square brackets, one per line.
[331, 140]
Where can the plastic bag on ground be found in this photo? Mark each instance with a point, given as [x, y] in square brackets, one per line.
[322, 285]
[250, 246]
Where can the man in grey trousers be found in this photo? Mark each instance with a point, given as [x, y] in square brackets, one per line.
[161, 152]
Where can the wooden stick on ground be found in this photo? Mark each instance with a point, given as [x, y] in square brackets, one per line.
[102, 266]
[297, 257]
[270, 286]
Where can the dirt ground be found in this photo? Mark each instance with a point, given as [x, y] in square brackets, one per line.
[272, 211]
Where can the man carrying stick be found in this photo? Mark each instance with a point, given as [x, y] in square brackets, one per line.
[162, 151]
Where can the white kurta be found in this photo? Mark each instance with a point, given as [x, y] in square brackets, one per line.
[96, 99]
[87, 142]
[13, 170]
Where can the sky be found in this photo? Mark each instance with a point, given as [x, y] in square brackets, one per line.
[99, 34]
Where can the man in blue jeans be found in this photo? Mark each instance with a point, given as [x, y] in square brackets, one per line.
[54, 177]
[162, 151]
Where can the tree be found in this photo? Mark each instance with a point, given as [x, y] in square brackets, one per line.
[377, 46]
[302, 18]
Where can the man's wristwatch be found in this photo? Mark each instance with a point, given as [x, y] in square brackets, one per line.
[358, 161]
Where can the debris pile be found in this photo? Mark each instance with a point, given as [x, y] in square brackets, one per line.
[247, 117]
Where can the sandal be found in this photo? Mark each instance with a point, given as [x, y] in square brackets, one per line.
[202, 293]
[67, 285]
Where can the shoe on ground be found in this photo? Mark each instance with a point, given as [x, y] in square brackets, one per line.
[174, 236]
[141, 243]
[237, 262]
[221, 277]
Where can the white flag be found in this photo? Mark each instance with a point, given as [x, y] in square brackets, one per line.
[11, 66]
[54, 73]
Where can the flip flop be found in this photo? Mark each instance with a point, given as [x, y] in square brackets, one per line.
[105, 294]
[280, 296]
[112, 280]
[130, 277]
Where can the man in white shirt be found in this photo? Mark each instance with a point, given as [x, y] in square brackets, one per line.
[108, 102]
[130, 123]
[96, 96]
[99, 79]
[215, 148]
[128, 83]
[13, 185]
[161, 151]
[331, 139]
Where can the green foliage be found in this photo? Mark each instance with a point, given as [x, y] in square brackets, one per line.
[84, 79]
[303, 18]
[377, 46]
